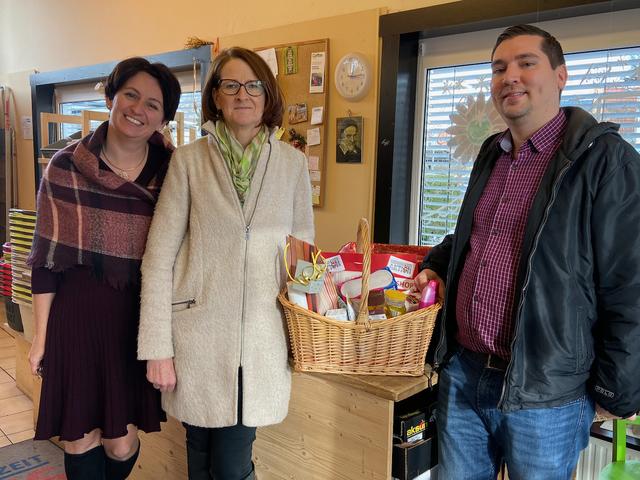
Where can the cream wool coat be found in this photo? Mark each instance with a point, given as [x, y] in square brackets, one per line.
[215, 308]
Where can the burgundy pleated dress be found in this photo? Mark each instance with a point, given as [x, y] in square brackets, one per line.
[91, 376]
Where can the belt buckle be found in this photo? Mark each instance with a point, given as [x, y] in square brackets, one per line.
[490, 365]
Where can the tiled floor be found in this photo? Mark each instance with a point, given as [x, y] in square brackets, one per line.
[16, 410]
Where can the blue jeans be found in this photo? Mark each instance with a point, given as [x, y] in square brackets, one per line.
[474, 437]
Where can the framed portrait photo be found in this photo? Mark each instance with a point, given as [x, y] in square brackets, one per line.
[349, 140]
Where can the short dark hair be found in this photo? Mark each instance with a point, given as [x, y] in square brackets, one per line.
[169, 84]
[274, 101]
[549, 45]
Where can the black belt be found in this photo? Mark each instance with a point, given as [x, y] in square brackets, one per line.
[488, 360]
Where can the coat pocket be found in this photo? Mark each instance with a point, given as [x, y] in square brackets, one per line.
[584, 342]
[180, 305]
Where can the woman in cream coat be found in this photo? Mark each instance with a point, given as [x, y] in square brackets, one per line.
[210, 328]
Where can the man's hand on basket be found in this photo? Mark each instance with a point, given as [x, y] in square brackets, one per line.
[425, 276]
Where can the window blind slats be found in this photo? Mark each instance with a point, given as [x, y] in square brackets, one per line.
[459, 116]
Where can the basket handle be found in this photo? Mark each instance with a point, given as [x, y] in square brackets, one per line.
[364, 246]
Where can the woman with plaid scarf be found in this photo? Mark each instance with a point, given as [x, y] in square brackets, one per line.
[95, 204]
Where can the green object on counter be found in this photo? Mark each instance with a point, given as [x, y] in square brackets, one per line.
[620, 468]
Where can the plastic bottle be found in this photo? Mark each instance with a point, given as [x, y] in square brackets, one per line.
[428, 296]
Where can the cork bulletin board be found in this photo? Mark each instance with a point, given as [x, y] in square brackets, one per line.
[301, 92]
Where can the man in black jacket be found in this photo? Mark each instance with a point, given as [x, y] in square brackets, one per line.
[541, 324]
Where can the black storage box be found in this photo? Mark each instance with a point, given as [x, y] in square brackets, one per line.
[410, 427]
[413, 459]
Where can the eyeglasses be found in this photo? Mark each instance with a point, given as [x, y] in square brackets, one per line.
[254, 88]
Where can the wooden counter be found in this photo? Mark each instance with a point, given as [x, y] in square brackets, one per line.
[338, 427]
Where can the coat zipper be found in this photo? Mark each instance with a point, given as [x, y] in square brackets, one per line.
[247, 228]
[189, 302]
[554, 194]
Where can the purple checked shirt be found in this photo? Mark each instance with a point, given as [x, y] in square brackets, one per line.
[484, 306]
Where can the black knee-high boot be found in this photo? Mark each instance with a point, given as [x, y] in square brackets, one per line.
[119, 470]
[85, 466]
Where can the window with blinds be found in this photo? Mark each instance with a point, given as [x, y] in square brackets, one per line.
[459, 115]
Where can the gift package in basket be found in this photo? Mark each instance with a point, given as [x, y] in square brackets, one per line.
[348, 314]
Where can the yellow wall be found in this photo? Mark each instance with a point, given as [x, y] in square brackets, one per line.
[49, 36]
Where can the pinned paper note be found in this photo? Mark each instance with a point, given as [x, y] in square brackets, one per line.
[313, 136]
[279, 133]
[316, 115]
[269, 56]
[314, 175]
[314, 162]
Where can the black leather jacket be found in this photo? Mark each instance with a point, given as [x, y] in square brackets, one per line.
[577, 303]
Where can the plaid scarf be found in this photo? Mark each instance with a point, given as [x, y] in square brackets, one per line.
[241, 161]
[91, 216]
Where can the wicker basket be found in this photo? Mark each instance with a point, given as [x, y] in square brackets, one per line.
[396, 346]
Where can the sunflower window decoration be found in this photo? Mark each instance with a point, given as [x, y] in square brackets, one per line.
[474, 120]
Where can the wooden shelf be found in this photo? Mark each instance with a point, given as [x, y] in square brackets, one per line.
[387, 387]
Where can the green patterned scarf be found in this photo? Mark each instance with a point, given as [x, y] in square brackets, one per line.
[241, 161]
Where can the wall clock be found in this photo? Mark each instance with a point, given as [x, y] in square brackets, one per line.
[353, 76]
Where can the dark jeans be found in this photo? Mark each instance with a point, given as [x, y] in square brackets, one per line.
[220, 453]
[474, 436]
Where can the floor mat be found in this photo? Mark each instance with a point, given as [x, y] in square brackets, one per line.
[31, 460]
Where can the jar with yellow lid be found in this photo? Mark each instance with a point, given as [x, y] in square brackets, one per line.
[394, 303]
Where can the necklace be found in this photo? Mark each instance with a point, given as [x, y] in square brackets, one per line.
[123, 172]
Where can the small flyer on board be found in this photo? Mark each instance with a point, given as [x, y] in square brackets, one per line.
[297, 113]
[316, 78]
[290, 55]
